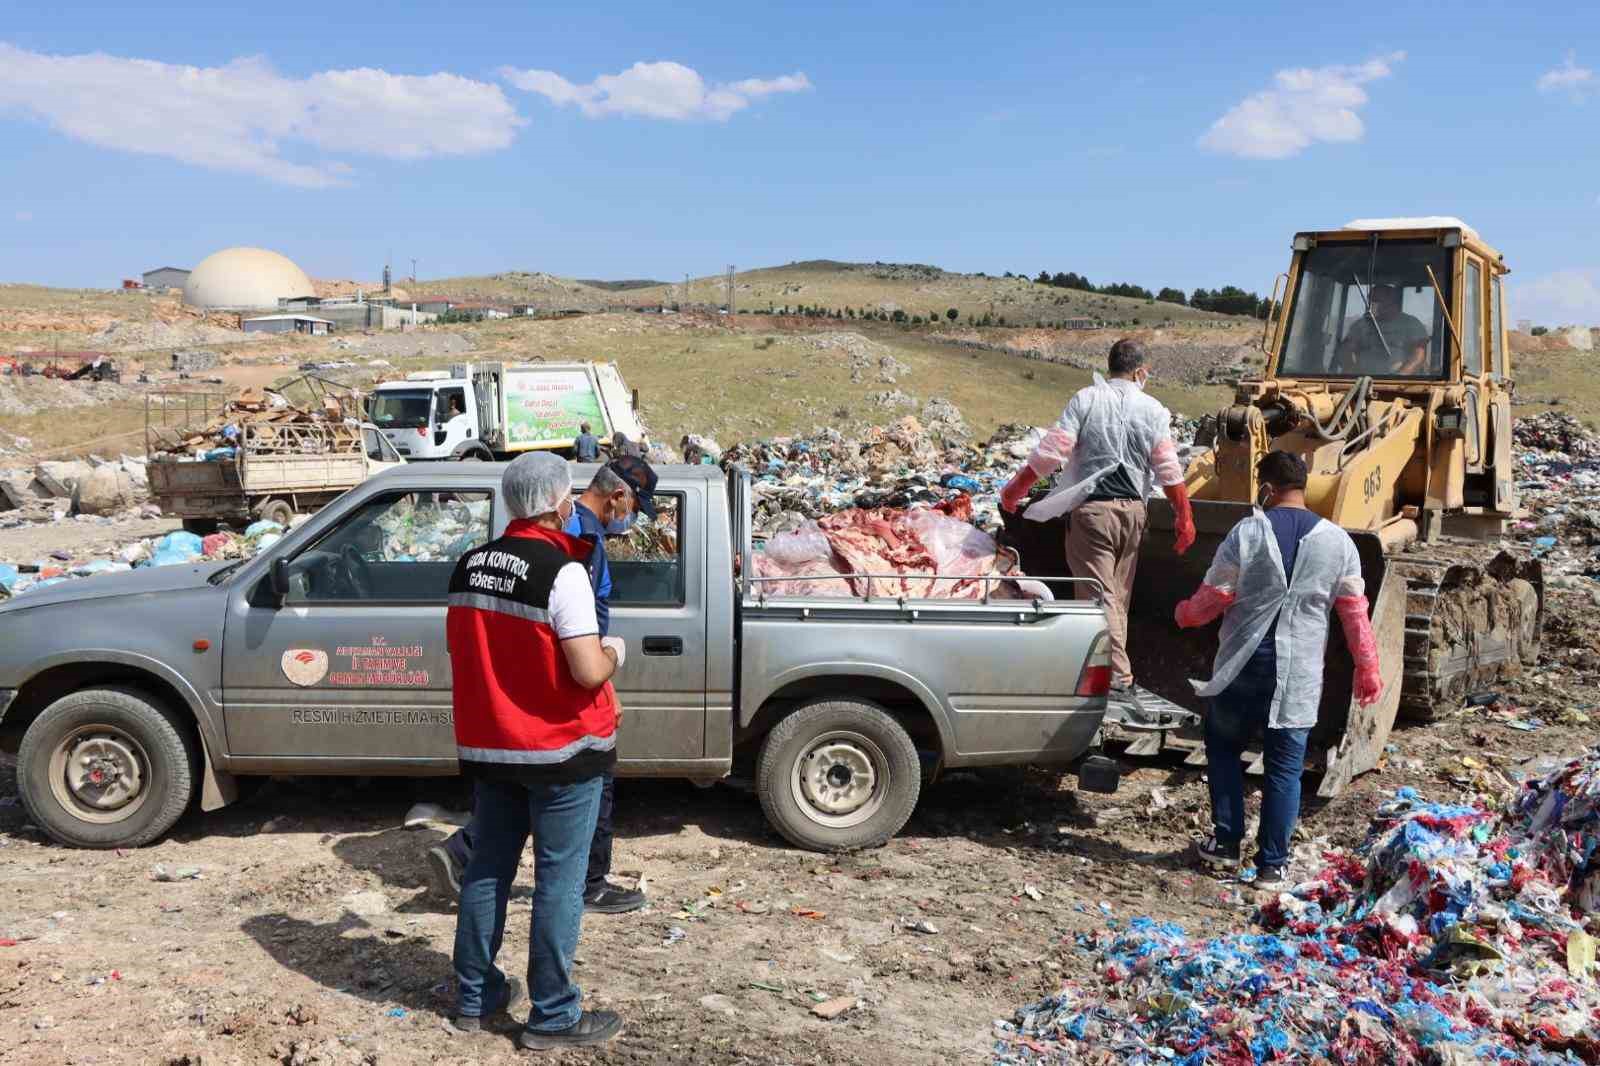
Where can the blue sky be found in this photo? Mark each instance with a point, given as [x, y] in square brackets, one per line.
[1166, 144]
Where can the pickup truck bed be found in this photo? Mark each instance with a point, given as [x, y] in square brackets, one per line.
[129, 695]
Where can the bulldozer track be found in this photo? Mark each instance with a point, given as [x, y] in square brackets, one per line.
[1467, 625]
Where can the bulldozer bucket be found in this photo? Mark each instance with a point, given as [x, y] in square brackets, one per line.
[1348, 740]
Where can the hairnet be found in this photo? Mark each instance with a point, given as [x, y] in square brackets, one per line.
[535, 483]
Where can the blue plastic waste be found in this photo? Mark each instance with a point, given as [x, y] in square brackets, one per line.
[8, 576]
[961, 483]
[261, 528]
[221, 453]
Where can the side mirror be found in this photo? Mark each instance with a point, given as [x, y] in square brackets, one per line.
[280, 578]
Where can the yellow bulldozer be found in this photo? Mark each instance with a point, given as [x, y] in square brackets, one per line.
[1387, 369]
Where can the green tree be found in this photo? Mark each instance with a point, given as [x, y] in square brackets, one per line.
[952, 314]
[1172, 296]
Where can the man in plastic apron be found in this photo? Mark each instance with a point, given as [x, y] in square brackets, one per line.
[1273, 581]
[1116, 442]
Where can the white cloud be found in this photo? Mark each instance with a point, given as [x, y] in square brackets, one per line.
[24, 216]
[1304, 106]
[1568, 77]
[1566, 297]
[654, 90]
[245, 116]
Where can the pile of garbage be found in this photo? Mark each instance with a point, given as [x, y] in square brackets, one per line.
[1558, 477]
[1457, 933]
[912, 462]
[172, 549]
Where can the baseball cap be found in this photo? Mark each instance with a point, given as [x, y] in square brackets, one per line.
[640, 478]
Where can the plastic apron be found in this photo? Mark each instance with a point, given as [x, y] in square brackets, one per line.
[1250, 563]
[1112, 426]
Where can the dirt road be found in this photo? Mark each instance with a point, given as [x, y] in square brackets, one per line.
[310, 935]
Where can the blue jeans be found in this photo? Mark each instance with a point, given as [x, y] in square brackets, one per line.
[460, 843]
[561, 818]
[1237, 717]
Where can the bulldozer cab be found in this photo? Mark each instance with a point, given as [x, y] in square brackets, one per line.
[1395, 300]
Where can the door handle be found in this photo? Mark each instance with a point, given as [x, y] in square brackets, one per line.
[663, 645]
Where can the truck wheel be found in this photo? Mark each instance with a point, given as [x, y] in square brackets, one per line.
[106, 768]
[277, 511]
[838, 775]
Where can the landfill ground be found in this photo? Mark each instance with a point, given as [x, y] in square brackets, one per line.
[310, 934]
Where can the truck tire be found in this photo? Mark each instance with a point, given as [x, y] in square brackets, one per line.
[106, 768]
[277, 511]
[838, 775]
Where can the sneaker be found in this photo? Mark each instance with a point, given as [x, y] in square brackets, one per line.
[1217, 855]
[444, 872]
[593, 1027]
[612, 899]
[1272, 879]
[473, 1023]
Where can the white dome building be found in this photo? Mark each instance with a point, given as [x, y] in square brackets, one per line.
[245, 279]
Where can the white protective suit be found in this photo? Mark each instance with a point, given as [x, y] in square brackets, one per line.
[1106, 425]
[1249, 563]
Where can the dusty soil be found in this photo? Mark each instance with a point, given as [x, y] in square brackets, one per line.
[82, 537]
[311, 936]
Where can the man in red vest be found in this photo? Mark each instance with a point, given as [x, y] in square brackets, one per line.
[536, 725]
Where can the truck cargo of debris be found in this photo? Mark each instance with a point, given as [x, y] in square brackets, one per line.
[274, 455]
[916, 553]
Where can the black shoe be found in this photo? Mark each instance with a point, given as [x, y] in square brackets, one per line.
[474, 1023]
[1217, 855]
[612, 899]
[444, 872]
[594, 1027]
[1272, 879]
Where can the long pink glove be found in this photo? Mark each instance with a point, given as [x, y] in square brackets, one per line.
[1363, 647]
[1016, 489]
[1183, 516]
[1204, 607]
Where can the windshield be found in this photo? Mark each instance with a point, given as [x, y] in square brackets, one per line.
[1369, 309]
[401, 408]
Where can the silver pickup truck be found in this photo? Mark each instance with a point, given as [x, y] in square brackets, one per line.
[125, 695]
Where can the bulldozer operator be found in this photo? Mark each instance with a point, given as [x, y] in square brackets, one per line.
[1383, 341]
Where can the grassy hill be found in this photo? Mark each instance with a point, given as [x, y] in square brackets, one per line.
[914, 288]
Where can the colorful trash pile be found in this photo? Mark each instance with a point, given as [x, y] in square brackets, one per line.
[1458, 933]
[919, 553]
[801, 479]
[172, 549]
[274, 419]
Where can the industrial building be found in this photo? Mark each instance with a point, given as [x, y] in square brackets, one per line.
[289, 323]
[245, 279]
[165, 278]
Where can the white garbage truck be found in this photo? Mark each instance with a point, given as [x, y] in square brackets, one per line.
[489, 411]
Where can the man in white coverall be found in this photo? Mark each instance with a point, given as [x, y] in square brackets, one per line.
[1273, 582]
[1116, 443]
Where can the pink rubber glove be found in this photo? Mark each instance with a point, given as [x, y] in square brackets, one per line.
[1016, 489]
[1183, 514]
[1204, 607]
[1363, 647]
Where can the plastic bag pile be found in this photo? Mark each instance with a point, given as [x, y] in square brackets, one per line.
[172, 549]
[920, 553]
[1455, 935]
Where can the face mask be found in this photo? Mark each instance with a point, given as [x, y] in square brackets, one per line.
[1141, 382]
[564, 511]
[1264, 495]
[618, 526]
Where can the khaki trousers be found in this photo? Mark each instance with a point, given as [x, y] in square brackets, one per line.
[1103, 543]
